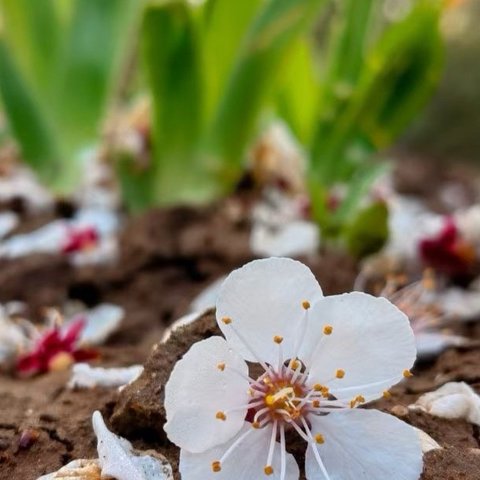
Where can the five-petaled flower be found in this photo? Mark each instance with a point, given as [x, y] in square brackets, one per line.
[318, 358]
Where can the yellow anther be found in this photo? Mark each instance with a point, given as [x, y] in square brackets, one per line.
[407, 374]
[220, 416]
[357, 400]
[268, 470]
[327, 329]
[256, 425]
[316, 404]
[221, 366]
[269, 400]
[306, 304]
[278, 339]
[386, 394]
[216, 466]
[319, 438]
[318, 388]
[340, 373]
[227, 320]
[294, 364]
[267, 380]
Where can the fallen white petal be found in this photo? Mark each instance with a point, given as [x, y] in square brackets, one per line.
[460, 303]
[293, 239]
[103, 220]
[12, 339]
[426, 441]
[430, 344]
[105, 252]
[8, 221]
[452, 400]
[77, 470]
[47, 239]
[85, 376]
[118, 460]
[101, 322]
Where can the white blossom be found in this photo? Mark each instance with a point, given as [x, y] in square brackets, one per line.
[319, 358]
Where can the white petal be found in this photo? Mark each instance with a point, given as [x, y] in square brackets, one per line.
[293, 239]
[246, 462]
[118, 461]
[365, 445]
[85, 376]
[8, 221]
[452, 400]
[460, 303]
[426, 441]
[264, 299]
[77, 469]
[47, 239]
[430, 344]
[101, 322]
[371, 341]
[198, 389]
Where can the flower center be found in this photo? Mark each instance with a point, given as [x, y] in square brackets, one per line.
[283, 399]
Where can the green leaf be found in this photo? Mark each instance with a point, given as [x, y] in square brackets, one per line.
[298, 93]
[172, 62]
[27, 120]
[275, 27]
[368, 231]
[223, 31]
[95, 38]
[32, 32]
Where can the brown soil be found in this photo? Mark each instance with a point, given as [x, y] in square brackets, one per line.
[167, 257]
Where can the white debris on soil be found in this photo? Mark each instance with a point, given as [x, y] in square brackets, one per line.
[426, 441]
[8, 221]
[21, 183]
[453, 400]
[117, 460]
[100, 322]
[278, 158]
[279, 229]
[12, 339]
[90, 237]
[85, 376]
[431, 344]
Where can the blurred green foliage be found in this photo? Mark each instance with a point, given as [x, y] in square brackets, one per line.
[58, 60]
[345, 77]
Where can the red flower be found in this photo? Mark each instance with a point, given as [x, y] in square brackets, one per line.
[80, 239]
[55, 350]
[448, 252]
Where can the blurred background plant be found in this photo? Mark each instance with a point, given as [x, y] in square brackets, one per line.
[58, 63]
[347, 77]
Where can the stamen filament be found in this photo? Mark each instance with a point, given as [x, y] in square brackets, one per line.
[249, 348]
[273, 441]
[313, 446]
[235, 444]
